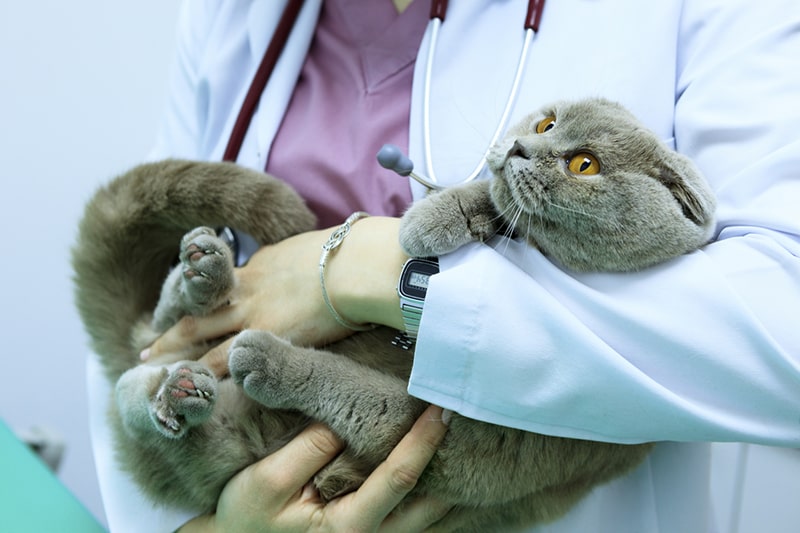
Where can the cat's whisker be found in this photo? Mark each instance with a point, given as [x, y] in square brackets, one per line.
[513, 226]
[530, 223]
[502, 218]
[509, 227]
[530, 250]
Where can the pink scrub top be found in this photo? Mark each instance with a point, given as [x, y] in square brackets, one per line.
[353, 95]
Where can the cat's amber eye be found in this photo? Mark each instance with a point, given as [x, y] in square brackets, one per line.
[583, 163]
[546, 124]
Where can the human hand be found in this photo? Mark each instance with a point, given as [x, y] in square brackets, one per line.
[279, 290]
[276, 494]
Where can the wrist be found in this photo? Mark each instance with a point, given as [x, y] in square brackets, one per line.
[412, 289]
[362, 278]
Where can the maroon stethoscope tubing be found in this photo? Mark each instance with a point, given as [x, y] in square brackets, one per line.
[278, 42]
[532, 18]
[264, 72]
[534, 15]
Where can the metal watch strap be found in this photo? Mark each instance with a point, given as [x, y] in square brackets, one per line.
[412, 316]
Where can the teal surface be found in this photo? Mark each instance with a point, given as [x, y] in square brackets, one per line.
[32, 499]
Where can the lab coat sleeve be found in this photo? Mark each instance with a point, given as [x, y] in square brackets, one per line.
[705, 347]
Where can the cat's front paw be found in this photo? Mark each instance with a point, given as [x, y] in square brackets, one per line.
[184, 399]
[447, 220]
[207, 270]
[426, 231]
[257, 361]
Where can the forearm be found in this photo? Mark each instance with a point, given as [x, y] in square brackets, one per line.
[687, 352]
[361, 277]
[280, 290]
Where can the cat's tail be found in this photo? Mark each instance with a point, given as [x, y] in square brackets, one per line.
[129, 236]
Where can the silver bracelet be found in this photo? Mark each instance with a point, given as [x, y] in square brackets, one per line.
[332, 244]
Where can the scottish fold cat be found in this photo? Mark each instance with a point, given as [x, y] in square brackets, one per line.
[582, 181]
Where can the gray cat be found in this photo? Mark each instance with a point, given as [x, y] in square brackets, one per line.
[582, 181]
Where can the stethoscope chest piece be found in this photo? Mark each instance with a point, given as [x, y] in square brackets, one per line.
[391, 157]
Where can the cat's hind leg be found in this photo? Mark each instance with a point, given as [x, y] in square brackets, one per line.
[185, 399]
[167, 399]
[272, 371]
[200, 283]
[367, 408]
[207, 270]
[281, 376]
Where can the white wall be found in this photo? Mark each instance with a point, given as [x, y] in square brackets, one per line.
[81, 87]
[82, 83]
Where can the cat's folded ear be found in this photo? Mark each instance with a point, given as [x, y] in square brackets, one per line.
[689, 188]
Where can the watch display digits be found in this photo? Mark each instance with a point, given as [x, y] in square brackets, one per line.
[419, 280]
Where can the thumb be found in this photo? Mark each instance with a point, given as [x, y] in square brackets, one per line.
[290, 468]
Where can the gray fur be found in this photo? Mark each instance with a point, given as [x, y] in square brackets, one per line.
[183, 432]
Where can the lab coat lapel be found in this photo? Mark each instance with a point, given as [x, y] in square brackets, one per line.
[275, 98]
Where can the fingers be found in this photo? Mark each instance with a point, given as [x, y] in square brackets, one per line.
[290, 468]
[418, 515]
[269, 495]
[191, 330]
[216, 359]
[396, 476]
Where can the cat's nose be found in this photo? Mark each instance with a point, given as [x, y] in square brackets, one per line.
[518, 149]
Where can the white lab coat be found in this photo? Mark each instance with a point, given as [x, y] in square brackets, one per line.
[705, 348]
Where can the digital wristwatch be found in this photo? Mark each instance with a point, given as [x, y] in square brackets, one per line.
[412, 289]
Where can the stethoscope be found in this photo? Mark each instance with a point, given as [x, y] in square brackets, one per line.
[390, 156]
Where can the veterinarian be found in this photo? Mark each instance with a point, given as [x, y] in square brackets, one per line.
[704, 348]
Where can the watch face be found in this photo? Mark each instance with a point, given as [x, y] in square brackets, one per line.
[416, 276]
